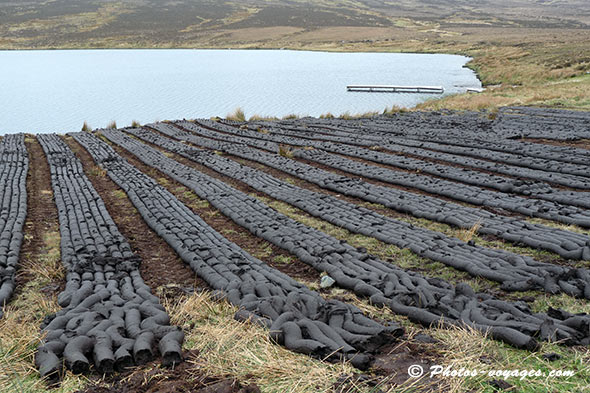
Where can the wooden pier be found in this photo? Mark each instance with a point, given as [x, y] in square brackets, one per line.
[396, 89]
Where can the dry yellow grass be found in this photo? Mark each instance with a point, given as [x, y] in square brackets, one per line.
[467, 234]
[572, 93]
[241, 36]
[285, 151]
[97, 171]
[19, 328]
[262, 118]
[245, 351]
[351, 33]
[237, 115]
[348, 116]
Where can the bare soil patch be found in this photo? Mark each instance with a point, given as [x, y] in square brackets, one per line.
[41, 214]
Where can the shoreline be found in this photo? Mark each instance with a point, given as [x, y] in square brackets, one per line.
[545, 69]
[316, 88]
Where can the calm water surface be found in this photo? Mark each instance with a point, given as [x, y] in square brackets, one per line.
[56, 91]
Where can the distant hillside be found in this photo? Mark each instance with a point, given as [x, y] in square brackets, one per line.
[205, 23]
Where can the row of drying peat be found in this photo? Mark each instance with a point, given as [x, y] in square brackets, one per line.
[508, 123]
[529, 188]
[297, 317]
[472, 194]
[110, 319]
[536, 181]
[407, 128]
[513, 271]
[543, 168]
[14, 165]
[546, 123]
[424, 300]
[565, 243]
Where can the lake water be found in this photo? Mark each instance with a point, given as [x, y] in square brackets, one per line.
[57, 90]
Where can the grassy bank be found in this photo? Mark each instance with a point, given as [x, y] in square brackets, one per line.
[548, 67]
[545, 67]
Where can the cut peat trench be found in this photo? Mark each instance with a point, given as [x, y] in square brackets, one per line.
[41, 225]
[582, 143]
[392, 363]
[255, 246]
[160, 265]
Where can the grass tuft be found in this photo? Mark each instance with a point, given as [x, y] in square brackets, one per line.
[86, 127]
[237, 115]
[393, 110]
[493, 114]
[135, 124]
[348, 116]
[112, 125]
[467, 234]
[119, 194]
[97, 171]
[285, 151]
[262, 118]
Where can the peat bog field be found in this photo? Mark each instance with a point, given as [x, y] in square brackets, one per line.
[309, 254]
